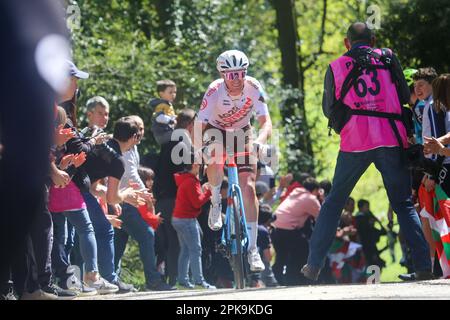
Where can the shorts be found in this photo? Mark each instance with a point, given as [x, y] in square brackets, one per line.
[241, 142]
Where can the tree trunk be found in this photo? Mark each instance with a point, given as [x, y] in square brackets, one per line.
[164, 9]
[293, 111]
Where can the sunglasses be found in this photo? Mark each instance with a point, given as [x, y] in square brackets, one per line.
[232, 75]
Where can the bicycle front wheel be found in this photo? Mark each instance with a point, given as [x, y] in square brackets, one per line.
[237, 259]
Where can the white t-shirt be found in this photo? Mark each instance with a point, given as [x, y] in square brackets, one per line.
[225, 112]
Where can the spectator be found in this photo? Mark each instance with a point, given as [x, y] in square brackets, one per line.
[68, 203]
[293, 181]
[433, 125]
[108, 162]
[365, 140]
[164, 117]
[97, 111]
[165, 191]
[293, 227]
[368, 234]
[220, 272]
[134, 225]
[190, 198]
[28, 89]
[147, 211]
[265, 219]
[437, 146]
[424, 92]
[98, 116]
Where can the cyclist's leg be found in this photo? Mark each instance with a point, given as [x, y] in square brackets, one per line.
[214, 158]
[247, 179]
[247, 184]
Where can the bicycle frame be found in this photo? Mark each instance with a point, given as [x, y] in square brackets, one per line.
[228, 236]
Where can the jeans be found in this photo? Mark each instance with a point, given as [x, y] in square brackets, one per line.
[138, 229]
[88, 246]
[104, 234]
[168, 239]
[188, 232]
[397, 181]
[291, 252]
[42, 238]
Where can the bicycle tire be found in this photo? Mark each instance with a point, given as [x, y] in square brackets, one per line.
[237, 260]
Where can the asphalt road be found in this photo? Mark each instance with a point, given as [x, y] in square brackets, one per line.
[425, 290]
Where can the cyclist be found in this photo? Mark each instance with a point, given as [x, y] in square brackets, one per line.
[225, 114]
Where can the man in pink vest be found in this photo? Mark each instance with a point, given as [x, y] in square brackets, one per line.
[373, 132]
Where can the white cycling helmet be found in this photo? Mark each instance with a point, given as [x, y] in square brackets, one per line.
[232, 60]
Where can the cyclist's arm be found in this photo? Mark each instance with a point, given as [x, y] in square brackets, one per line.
[265, 128]
[199, 129]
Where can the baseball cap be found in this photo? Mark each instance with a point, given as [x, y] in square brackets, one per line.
[74, 71]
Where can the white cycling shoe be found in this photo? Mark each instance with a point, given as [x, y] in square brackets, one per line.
[255, 262]
[215, 217]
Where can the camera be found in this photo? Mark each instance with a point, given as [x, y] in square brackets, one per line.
[417, 161]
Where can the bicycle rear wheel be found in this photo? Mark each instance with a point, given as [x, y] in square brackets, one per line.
[237, 260]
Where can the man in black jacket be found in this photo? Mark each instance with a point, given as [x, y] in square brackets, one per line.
[165, 191]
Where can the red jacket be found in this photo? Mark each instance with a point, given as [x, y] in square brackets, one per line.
[190, 197]
[149, 217]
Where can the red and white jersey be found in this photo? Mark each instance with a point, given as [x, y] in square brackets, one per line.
[225, 112]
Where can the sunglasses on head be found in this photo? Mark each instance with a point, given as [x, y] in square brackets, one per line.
[232, 75]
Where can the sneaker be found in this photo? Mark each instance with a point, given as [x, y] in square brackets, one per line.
[124, 287]
[87, 291]
[257, 284]
[224, 283]
[270, 282]
[206, 285]
[62, 294]
[417, 276]
[310, 272]
[10, 295]
[38, 295]
[215, 217]
[71, 283]
[102, 286]
[187, 285]
[160, 286]
[255, 262]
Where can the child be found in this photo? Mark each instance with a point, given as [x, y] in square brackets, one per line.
[265, 219]
[147, 210]
[163, 118]
[188, 203]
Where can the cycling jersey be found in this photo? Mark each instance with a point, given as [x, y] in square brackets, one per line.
[225, 112]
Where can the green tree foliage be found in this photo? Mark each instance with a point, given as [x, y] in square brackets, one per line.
[128, 45]
[418, 30]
